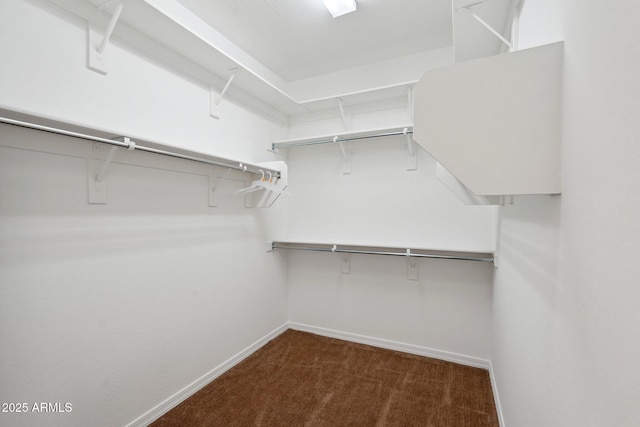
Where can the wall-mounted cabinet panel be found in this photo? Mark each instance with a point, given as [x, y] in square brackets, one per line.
[494, 123]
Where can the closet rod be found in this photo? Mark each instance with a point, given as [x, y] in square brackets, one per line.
[245, 167]
[339, 138]
[457, 255]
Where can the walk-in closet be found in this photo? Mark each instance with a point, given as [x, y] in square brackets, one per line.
[277, 213]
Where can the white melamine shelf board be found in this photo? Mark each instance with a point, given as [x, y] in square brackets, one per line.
[168, 30]
[485, 256]
[495, 122]
[74, 130]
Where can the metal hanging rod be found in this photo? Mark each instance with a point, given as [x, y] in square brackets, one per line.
[345, 137]
[378, 250]
[131, 145]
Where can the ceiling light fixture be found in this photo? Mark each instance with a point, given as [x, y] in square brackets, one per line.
[340, 7]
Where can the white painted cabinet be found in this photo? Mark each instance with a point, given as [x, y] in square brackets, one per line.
[494, 122]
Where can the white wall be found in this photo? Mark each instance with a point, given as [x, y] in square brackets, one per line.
[115, 308]
[540, 23]
[566, 343]
[381, 203]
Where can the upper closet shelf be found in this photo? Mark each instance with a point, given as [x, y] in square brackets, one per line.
[170, 31]
[341, 138]
[494, 123]
[344, 137]
[409, 253]
[270, 180]
[386, 250]
[150, 147]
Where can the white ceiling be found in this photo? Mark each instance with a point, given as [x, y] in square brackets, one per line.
[298, 39]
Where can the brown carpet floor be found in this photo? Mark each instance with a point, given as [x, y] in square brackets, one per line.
[302, 379]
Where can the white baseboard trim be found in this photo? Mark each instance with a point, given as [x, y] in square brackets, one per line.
[168, 404]
[496, 396]
[462, 359]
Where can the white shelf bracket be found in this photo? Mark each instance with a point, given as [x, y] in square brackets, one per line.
[410, 104]
[345, 122]
[345, 261]
[215, 182]
[412, 266]
[346, 157]
[489, 27]
[411, 150]
[215, 98]
[97, 174]
[506, 199]
[98, 43]
[105, 166]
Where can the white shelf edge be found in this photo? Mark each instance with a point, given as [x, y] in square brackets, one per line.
[481, 255]
[349, 134]
[30, 118]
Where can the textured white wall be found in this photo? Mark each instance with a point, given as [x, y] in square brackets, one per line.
[566, 343]
[115, 308]
[381, 203]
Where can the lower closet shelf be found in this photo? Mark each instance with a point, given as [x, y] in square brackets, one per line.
[386, 250]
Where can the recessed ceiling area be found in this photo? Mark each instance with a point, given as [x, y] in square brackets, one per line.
[298, 39]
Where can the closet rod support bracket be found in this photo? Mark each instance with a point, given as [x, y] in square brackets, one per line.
[98, 43]
[345, 260]
[215, 98]
[105, 167]
[345, 263]
[412, 164]
[346, 157]
[215, 184]
[97, 173]
[412, 266]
